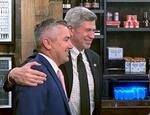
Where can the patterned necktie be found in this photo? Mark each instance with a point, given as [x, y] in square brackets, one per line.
[61, 78]
[84, 89]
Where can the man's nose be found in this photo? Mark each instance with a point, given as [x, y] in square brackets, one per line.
[92, 34]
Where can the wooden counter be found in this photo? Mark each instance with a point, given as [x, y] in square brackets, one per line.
[134, 107]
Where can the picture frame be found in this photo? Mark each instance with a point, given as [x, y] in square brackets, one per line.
[6, 21]
[5, 66]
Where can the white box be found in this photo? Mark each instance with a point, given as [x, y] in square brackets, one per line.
[127, 67]
[115, 53]
[138, 67]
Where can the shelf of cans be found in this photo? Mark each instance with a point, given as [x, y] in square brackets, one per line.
[130, 21]
[128, 0]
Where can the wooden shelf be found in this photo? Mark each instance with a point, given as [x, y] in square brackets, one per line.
[126, 76]
[126, 104]
[128, 0]
[97, 11]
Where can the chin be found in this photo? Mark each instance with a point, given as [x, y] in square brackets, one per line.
[66, 60]
[87, 47]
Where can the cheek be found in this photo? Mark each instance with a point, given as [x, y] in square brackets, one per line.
[62, 47]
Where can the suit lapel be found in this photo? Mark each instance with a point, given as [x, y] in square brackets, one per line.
[96, 72]
[93, 65]
[53, 74]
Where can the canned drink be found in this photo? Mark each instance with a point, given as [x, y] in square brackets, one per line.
[116, 16]
[126, 24]
[134, 17]
[131, 24]
[136, 24]
[128, 17]
[109, 16]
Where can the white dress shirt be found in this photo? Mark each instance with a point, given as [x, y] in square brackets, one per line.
[53, 64]
[74, 101]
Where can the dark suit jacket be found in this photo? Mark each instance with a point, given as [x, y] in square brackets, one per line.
[95, 63]
[45, 99]
[67, 70]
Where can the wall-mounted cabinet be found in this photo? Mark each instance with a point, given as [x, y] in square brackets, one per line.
[135, 42]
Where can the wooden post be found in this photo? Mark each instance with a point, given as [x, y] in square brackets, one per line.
[27, 26]
[33, 12]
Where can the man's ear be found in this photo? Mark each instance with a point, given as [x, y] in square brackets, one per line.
[71, 30]
[46, 43]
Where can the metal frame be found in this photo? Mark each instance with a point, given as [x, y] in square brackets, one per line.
[6, 19]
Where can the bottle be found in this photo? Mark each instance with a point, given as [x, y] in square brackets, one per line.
[66, 4]
[87, 4]
[145, 21]
[95, 4]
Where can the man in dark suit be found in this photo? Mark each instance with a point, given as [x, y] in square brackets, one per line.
[82, 26]
[49, 98]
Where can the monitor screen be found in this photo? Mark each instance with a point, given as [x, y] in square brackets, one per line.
[131, 90]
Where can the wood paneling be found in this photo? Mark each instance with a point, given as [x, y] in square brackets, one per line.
[33, 12]
[27, 26]
[41, 7]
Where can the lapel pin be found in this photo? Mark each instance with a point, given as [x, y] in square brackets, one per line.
[94, 65]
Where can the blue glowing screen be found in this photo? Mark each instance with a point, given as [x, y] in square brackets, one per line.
[130, 90]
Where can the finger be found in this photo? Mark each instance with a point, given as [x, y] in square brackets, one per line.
[38, 73]
[34, 64]
[34, 82]
[38, 78]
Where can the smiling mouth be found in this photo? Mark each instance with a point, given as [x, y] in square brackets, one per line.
[88, 42]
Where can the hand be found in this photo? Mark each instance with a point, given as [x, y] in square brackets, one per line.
[25, 75]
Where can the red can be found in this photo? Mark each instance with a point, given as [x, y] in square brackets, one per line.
[134, 17]
[128, 17]
[136, 24]
[125, 24]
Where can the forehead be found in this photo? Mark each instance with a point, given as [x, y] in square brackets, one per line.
[88, 24]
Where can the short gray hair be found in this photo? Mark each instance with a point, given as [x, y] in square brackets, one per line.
[75, 16]
[45, 25]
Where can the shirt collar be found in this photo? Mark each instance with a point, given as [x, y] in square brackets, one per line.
[54, 65]
[75, 52]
